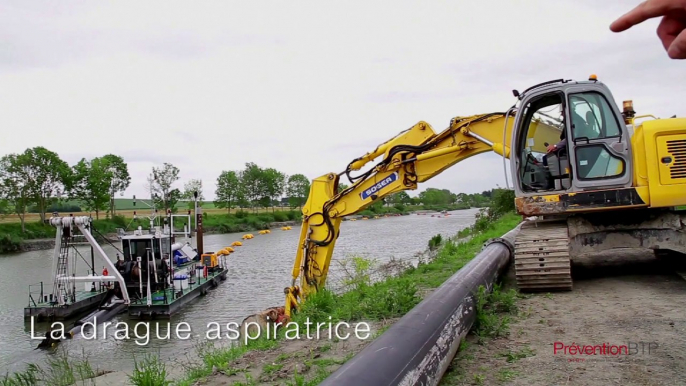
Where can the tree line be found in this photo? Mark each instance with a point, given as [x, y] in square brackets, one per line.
[38, 178]
[443, 197]
[251, 187]
[255, 186]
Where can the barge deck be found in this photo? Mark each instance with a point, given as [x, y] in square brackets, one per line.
[47, 308]
[164, 303]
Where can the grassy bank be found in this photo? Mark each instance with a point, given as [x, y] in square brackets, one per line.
[364, 300]
[60, 369]
[11, 235]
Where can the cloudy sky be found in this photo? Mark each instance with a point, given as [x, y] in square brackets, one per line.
[304, 86]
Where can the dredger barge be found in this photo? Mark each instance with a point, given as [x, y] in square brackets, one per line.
[155, 273]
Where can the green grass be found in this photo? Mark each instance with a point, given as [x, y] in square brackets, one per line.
[454, 255]
[220, 358]
[366, 300]
[60, 369]
[513, 356]
[149, 372]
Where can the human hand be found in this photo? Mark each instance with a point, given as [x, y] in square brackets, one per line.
[672, 28]
[551, 148]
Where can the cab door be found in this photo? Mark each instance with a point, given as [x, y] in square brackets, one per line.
[600, 147]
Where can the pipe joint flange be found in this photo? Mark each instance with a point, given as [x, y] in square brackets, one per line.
[500, 240]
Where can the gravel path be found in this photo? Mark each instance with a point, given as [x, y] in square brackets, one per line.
[624, 300]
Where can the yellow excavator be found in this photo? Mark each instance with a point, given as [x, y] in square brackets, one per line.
[592, 176]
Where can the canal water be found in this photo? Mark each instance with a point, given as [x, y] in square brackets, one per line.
[259, 271]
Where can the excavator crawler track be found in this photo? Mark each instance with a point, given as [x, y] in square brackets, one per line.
[542, 260]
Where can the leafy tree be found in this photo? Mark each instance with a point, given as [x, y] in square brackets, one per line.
[229, 190]
[398, 198]
[189, 190]
[376, 207]
[254, 184]
[14, 185]
[342, 187]
[118, 176]
[160, 183]
[91, 184]
[46, 175]
[433, 196]
[297, 190]
[274, 183]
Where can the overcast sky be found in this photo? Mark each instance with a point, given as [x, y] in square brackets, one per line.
[304, 87]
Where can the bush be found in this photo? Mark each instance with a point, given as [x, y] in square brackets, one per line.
[280, 216]
[9, 243]
[503, 202]
[119, 221]
[149, 372]
[435, 242]
[484, 220]
[57, 207]
[265, 218]
[294, 215]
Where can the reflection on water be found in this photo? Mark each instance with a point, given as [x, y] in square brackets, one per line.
[259, 271]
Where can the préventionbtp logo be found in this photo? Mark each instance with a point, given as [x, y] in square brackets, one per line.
[580, 352]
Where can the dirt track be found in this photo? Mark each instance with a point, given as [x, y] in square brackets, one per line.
[639, 304]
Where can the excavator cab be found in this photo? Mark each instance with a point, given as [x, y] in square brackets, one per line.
[594, 150]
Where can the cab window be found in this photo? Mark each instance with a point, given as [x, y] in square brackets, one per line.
[592, 117]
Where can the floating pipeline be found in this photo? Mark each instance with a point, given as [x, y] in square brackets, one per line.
[258, 322]
[95, 318]
[418, 348]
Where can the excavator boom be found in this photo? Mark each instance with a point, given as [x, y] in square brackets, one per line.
[412, 157]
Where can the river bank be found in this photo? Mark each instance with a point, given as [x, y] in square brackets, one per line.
[259, 270]
[49, 243]
[366, 309]
[39, 236]
[377, 305]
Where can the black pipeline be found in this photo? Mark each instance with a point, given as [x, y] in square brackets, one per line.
[418, 348]
[96, 317]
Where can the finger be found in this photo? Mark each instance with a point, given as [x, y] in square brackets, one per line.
[644, 11]
[668, 30]
[677, 50]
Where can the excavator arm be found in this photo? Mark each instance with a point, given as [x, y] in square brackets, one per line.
[413, 156]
